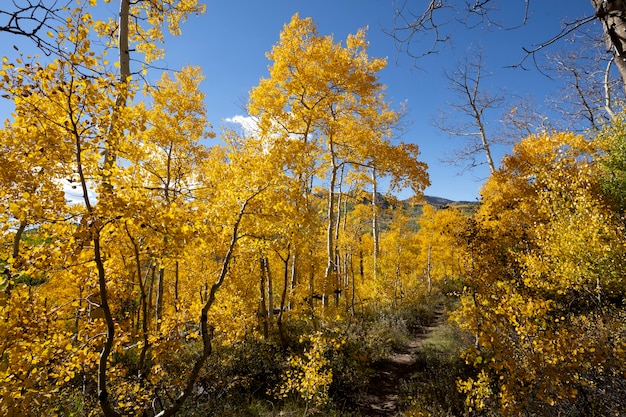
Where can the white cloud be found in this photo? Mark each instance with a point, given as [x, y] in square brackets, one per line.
[247, 123]
[74, 192]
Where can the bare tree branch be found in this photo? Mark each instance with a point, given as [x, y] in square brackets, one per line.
[424, 33]
[567, 30]
[522, 119]
[479, 13]
[411, 29]
[473, 103]
[608, 106]
[33, 20]
[586, 100]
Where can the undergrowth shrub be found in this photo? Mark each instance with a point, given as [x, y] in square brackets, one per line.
[234, 377]
[380, 336]
[432, 391]
[310, 374]
[351, 369]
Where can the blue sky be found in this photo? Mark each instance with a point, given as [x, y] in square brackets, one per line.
[230, 41]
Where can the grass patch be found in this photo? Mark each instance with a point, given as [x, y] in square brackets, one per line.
[432, 390]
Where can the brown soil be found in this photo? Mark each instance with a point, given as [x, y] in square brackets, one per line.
[382, 393]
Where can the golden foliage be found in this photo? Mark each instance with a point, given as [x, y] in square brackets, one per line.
[111, 294]
[544, 264]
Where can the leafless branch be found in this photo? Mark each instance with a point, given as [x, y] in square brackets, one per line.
[411, 29]
[424, 33]
[586, 100]
[607, 90]
[523, 118]
[33, 19]
[472, 104]
[567, 30]
[482, 11]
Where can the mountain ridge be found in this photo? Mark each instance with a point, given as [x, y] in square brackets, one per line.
[441, 201]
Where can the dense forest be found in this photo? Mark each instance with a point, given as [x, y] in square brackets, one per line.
[265, 273]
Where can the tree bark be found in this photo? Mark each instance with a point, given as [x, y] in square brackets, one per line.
[110, 148]
[103, 395]
[338, 266]
[176, 279]
[608, 106]
[330, 241]
[143, 304]
[264, 311]
[14, 254]
[270, 292]
[612, 14]
[158, 303]
[283, 298]
[375, 233]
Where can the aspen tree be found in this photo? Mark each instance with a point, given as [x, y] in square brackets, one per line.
[323, 109]
[79, 103]
[544, 264]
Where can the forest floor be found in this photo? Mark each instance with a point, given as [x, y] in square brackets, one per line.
[381, 398]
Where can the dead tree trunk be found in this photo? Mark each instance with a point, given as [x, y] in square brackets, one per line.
[612, 14]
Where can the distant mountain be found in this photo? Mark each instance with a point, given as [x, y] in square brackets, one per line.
[437, 201]
[385, 201]
[467, 207]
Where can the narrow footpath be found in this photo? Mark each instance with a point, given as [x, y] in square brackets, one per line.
[382, 392]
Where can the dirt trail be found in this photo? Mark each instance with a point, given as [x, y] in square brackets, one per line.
[382, 392]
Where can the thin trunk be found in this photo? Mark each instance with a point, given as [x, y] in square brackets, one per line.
[176, 279]
[79, 308]
[311, 283]
[17, 238]
[204, 293]
[353, 285]
[429, 266]
[270, 292]
[468, 85]
[110, 148]
[262, 290]
[361, 265]
[483, 138]
[345, 279]
[396, 286]
[330, 235]
[93, 226]
[103, 395]
[144, 323]
[348, 253]
[608, 106]
[143, 305]
[283, 299]
[337, 261]
[206, 330]
[152, 275]
[158, 304]
[294, 279]
[15, 253]
[375, 227]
